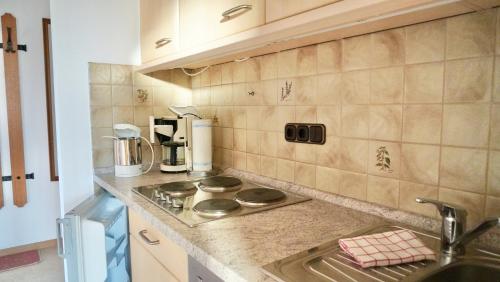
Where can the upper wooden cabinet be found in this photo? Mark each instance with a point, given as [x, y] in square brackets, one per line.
[203, 21]
[209, 38]
[279, 9]
[159, 28]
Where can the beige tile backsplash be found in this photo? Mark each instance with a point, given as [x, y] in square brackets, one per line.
[383, 191]
[115, 98]
[409, 112]
[471, 35]
[424, 83]
[425, 42]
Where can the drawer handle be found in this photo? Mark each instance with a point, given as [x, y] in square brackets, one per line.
[142, 233]
[162, 42]
[228, 13]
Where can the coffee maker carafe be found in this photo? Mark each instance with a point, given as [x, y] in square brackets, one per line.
[171, 134]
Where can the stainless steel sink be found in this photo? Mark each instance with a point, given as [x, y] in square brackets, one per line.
[328, 263]
[466, 271]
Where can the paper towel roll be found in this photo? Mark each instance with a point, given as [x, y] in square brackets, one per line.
[202, 144]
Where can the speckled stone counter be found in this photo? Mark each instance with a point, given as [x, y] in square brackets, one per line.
[235, 248]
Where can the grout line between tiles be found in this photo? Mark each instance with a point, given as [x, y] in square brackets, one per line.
[443, 93]
[492, 89]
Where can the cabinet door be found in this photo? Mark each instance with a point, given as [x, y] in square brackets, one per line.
[202, 21]
[145, 268]
[194, 22]
[241, 15]
[279, 9]
[169, 254]
[159, 28]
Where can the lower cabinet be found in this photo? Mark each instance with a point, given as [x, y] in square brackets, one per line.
[145, 268]
[154, 257]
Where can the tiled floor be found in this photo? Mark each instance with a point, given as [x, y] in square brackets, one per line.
[50, 269]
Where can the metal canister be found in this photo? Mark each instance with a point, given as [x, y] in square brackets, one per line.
[128, 151]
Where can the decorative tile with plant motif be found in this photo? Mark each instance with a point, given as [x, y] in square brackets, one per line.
[286, 91]
[383, 159]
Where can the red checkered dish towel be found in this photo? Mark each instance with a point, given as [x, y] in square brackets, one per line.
[388, 248]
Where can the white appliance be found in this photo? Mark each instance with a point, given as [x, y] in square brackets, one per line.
[202, 145]
[94, 242]
[198, 150]
[128, 150]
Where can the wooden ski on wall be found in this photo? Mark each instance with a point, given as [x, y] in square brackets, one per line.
[14, 117]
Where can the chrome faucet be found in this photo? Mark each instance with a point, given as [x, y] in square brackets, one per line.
[453, 226]
[453, 223]
[481, 228]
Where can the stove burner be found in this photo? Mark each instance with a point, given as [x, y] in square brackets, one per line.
[179, 188]
[220, 184]
[257, 197]
[216, 207]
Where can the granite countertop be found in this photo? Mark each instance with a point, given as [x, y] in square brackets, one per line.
[235, 248]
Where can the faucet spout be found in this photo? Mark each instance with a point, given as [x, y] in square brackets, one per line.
[453, 222]
[470, 235]
[453, 235]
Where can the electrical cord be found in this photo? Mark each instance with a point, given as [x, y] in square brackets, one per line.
[196, 73]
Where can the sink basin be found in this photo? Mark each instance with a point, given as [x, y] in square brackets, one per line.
[328, 263]
[465, 271]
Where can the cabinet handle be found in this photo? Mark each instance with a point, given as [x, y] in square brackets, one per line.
[162, 42]
[142, 233]
[228, 13]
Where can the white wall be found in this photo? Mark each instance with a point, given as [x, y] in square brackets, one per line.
[36, 220]
[104, 31]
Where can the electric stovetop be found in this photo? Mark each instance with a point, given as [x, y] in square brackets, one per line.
[203, 200]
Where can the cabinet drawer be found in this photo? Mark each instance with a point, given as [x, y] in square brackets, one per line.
[169, 254]
[159, 28]
[203, 21]
[280, 9]
[145, 268]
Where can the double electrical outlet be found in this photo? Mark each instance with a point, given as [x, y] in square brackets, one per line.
[312, 133]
